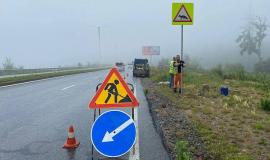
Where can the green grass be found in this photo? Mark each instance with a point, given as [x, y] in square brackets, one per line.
[218, 146]
[265, 104]
[182, 152]
[263, 142]
[38, 76]
[159, 75]
[231, 127]
[215, 144]
[237, 72]
[259, 126]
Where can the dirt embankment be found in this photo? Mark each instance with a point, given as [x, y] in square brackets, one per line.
[173, 125]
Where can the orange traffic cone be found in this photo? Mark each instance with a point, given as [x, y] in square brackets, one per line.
[71, 142]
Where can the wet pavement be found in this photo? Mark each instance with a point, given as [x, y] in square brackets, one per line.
[34, 119]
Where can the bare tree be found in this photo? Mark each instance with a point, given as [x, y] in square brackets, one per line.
[20, 67]
[8, 64]
[79, 65]
[251, 38]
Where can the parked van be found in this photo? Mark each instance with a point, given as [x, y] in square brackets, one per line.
[141, 68]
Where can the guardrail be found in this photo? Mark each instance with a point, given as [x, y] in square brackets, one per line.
[20, 78]
[7, 72]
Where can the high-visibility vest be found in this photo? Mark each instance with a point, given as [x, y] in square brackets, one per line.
[172, 69]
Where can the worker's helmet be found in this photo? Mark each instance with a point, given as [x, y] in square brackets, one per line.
[116, 81]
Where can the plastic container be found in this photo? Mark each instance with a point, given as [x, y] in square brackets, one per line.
[224, 90]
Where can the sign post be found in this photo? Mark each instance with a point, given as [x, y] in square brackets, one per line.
[182, 14]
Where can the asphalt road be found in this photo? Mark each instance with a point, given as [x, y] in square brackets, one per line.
[34, 119]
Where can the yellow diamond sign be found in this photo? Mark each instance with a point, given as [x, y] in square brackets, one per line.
[182, 13]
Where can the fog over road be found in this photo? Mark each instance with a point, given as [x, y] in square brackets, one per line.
[34, 119]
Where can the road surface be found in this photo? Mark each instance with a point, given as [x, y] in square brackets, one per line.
[34, 119]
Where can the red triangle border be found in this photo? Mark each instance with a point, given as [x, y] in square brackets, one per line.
[133, 103]
[183, 6]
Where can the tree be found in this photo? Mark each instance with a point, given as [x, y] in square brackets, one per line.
[79, 65]
[88, 64]
[263, 66]
[251, 38]
[21, 67]
[8, 64]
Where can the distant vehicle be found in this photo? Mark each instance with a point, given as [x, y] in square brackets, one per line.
[130, 65]
[141, 68]
[120, 66]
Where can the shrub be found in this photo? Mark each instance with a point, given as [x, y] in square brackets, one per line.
[263, 66]
[182, 152]
[145, 91]
[234, 71]
[218, 70]
[159, 75]
[265, 104]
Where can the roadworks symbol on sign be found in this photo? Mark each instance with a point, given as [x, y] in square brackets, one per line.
[182, 15]
[113, 93]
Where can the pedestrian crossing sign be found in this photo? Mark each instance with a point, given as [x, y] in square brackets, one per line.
[182, 13]
[113, 93]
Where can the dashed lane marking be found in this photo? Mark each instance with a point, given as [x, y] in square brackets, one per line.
[67, 87]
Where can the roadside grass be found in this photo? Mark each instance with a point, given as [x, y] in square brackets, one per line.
[235, 127]
[37, 76]
[182, 152]
[265, 104]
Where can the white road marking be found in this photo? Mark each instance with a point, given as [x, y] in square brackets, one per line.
[134, 153]
[67, 87]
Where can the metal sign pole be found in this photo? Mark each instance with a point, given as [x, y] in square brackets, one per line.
[92, 148]
[182, 56]
[133, 117]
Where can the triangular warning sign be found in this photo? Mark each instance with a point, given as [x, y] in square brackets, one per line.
[113, 93]
[182, 15]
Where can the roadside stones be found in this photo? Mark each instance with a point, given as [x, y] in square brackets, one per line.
[204, 90]
[164, 105]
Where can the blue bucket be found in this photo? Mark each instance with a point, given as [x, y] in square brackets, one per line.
[224, 90]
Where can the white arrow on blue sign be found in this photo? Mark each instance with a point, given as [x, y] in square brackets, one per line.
[113, 133]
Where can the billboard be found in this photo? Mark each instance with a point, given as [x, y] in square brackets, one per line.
[151, 50]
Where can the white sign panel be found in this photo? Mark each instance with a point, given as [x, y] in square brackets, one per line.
[151, 50]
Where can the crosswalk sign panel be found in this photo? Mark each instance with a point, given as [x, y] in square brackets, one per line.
[113, 93]
[182, 13]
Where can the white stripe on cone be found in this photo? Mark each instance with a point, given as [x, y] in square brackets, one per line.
[70, 135]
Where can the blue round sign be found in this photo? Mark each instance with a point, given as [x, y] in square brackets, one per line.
[113, 133]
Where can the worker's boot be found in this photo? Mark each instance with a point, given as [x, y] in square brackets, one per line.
[174, 90]
[180, 91]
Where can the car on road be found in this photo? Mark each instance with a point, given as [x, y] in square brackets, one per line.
[141, 68]
[120, 66]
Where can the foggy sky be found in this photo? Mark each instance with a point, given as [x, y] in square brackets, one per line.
[49, 33]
